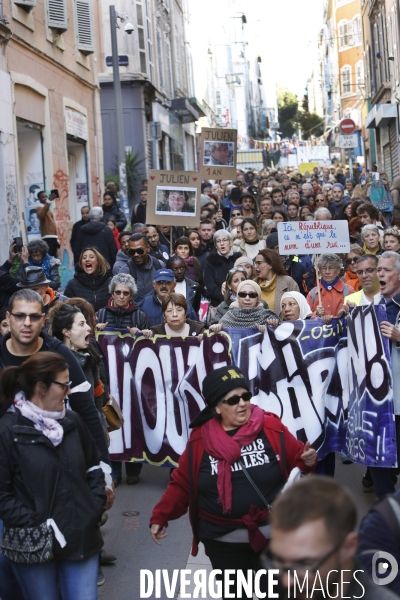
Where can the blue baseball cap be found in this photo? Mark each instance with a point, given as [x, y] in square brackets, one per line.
[164, 275]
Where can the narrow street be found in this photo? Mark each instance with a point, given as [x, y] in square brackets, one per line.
[129, 538]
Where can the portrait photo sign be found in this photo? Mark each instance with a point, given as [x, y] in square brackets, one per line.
[218, 153]
[173, 198]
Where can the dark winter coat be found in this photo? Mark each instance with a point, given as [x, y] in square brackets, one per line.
[93, 288]
[193, 293]
[28, 474]
[80, 402]
[121, 319]
[97, 235]
[215, 271]
[302, 276]
[116, 213]
[8, 284]
[76, 229]
[151, 306]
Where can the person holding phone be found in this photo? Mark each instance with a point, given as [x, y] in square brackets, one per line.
[48, 226]
[8, 283]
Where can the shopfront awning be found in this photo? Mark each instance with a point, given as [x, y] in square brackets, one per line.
[187, 110]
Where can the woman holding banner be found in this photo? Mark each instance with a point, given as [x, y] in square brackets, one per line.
[236, 462]
[174, 308]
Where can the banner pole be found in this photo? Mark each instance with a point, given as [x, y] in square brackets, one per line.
[318, 283]
[171, 241]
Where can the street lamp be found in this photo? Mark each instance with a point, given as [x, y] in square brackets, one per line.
[118, 104]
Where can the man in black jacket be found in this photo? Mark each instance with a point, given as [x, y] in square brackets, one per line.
[85, 212]
[141, 266]
[26, 319]
[185, 286]
[96, 234]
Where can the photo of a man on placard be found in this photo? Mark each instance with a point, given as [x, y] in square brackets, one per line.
[219, 154]
[181, 202]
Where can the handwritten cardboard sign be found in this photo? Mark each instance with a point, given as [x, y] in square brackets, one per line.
[313, 237]
[218, 153]
[173, 198]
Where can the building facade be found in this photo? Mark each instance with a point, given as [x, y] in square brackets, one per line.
[382, 63]
[50, 127]
[156, 83]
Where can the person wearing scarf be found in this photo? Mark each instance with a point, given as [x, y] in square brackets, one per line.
[350, 277]
[230, 434]
[121, 312]
[39, 257]
[51, 476]
[333, 290]
[247, 311]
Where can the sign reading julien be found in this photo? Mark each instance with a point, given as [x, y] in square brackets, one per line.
[174, 198]
[218, 153]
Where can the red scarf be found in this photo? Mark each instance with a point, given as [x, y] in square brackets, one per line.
[227, 449]
[111, 304]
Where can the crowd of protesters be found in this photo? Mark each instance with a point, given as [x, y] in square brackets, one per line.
[149, 279]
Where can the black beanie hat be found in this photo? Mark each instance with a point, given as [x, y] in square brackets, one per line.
[272, 240]
[215, 385]
[236, 193]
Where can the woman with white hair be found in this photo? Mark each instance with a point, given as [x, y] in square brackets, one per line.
[371, 238]
[247, 311]
[121, 312]
[218, 264]
[333, 289]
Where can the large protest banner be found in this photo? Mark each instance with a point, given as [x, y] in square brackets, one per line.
[303, 371]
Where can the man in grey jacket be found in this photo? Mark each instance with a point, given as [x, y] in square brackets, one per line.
[122, 254]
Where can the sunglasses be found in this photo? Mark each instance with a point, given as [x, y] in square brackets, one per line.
[133, 251]
[351, 261]
[249, 294]
[21, 317]
[121, 293]
[246, 396]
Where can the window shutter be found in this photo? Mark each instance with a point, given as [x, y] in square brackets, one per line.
[169, 66]
[160, 59]
[177, 60]
[84, 26]
[218, 102]
[25, 4]
[141, 38]
[341, 35]
[350, 37]
[57, 14]
[395, 47]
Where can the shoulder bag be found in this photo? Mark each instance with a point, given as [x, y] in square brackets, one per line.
[32, 545]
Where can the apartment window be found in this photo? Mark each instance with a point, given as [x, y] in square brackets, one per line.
[57, 14]
[357, 34]
[218, 104]
[345, 33]
[149, 42]
[359, 74]
[392, 47]
[183, 65]
[25, 4]
[346, 80]
[141, 38]
[169, 66]
[84, 26]
[177, 60]
[160, 59]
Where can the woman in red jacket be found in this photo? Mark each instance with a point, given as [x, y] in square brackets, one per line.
[234, 445]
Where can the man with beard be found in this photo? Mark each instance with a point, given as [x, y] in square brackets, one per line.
[313, 544]
[163, 285]
[157, 249]
[141, 266]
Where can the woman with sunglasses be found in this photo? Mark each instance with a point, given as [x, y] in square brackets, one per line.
[232, 440]
[121, 312]
[350, 276]
[91, 280]
[49, 470]
[247, 311]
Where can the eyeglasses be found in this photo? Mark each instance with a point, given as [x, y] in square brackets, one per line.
[328, 268]
[249, 294]
[121, 293]
[366, 272]
[163, 282]
[21, 317]
[65, 386]
[271, 561]
[133, 251]
[246, 396]
[222, 240]
[350, 261]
